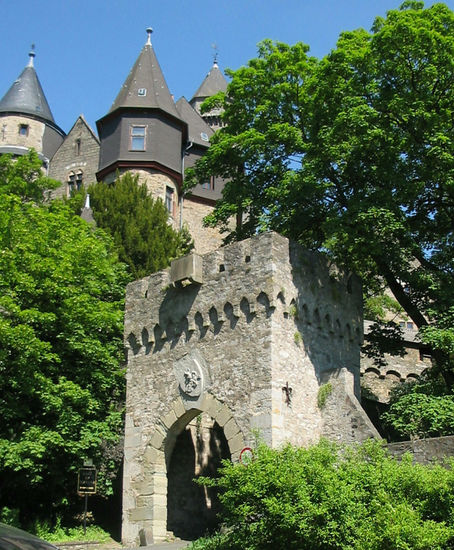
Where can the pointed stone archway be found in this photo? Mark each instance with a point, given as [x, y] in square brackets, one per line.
[152, 504]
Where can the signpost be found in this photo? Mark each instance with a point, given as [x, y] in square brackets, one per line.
[86, 485]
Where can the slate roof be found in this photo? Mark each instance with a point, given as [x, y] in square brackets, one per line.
[26, 95]
[198, 129]
[145, 76]
[213, 83]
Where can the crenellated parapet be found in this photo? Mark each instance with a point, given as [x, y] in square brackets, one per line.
[208, 321]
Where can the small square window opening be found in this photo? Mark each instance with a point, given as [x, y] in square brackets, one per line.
[23, 129]
[137, 134]
[169, 199]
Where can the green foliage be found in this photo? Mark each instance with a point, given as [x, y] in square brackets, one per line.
[383, 336]
[353, 155]
[25, 177]
[69, 534]
[324, 391]
[421, 409]
[139, 225]
[10, 516]
[328, 497]
[61, 377]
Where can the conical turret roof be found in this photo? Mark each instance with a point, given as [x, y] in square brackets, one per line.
[145, 86]
[213, 83]
[26, 95]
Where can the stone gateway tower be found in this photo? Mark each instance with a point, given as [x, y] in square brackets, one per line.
[221, 346]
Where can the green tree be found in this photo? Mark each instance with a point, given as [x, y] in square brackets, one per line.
[420, 409]
[25, 177]
[61, 366]
[139, 225]
[328, 497]
[353, 155]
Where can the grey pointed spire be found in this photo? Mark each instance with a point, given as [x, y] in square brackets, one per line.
[26, 95]
[145, 86]
[213, 83]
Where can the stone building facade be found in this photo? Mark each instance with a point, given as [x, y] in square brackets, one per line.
[75, 163]
[222, 346]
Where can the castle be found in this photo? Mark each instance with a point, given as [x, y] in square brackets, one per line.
[242, 339]
[145, 132]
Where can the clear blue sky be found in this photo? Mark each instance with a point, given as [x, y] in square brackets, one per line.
[85, 48]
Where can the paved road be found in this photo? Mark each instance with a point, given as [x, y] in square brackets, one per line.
[165, 546]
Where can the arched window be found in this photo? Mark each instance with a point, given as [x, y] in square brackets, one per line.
[75, 181]
[71, 183]
[79, 179]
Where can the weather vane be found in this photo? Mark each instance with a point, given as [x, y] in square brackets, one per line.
[215, 48]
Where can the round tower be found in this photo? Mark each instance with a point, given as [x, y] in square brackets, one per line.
[26, 121]
[143, 132]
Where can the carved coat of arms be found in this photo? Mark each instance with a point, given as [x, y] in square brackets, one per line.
[190, 374]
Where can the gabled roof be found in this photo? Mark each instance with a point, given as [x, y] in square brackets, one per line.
[214, 82]
[26, 95]
[145, 86]
[85, 123]
[198, 130]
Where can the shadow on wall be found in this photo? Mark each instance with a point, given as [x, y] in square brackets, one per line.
[199, 449]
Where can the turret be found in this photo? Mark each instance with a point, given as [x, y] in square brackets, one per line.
[213, 83]
[143, 132]
[26, 120]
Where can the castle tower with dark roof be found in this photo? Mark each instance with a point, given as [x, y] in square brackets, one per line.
[26, 120]
[144, 133]
[213, 83]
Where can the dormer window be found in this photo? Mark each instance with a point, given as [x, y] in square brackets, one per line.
[209, 184]
[137, 138]
[142, 92]
[23, 129]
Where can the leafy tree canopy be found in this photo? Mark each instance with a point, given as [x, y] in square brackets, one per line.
[353, 155]
[328, 497]
[61, 377]
[25, 177]
[139, 225]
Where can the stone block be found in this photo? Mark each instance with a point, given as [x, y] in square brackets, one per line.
[236, 443]
[178, 407]
[141, 514]
[188, 268]
[157, 438]
[230, 428]
[170, 419]
[223, 416]
[146, 537]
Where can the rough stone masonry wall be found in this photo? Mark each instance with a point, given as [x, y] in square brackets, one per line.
[10, 132]
[268, 325]
[206, 239]
[316, 339]
[66, 159]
